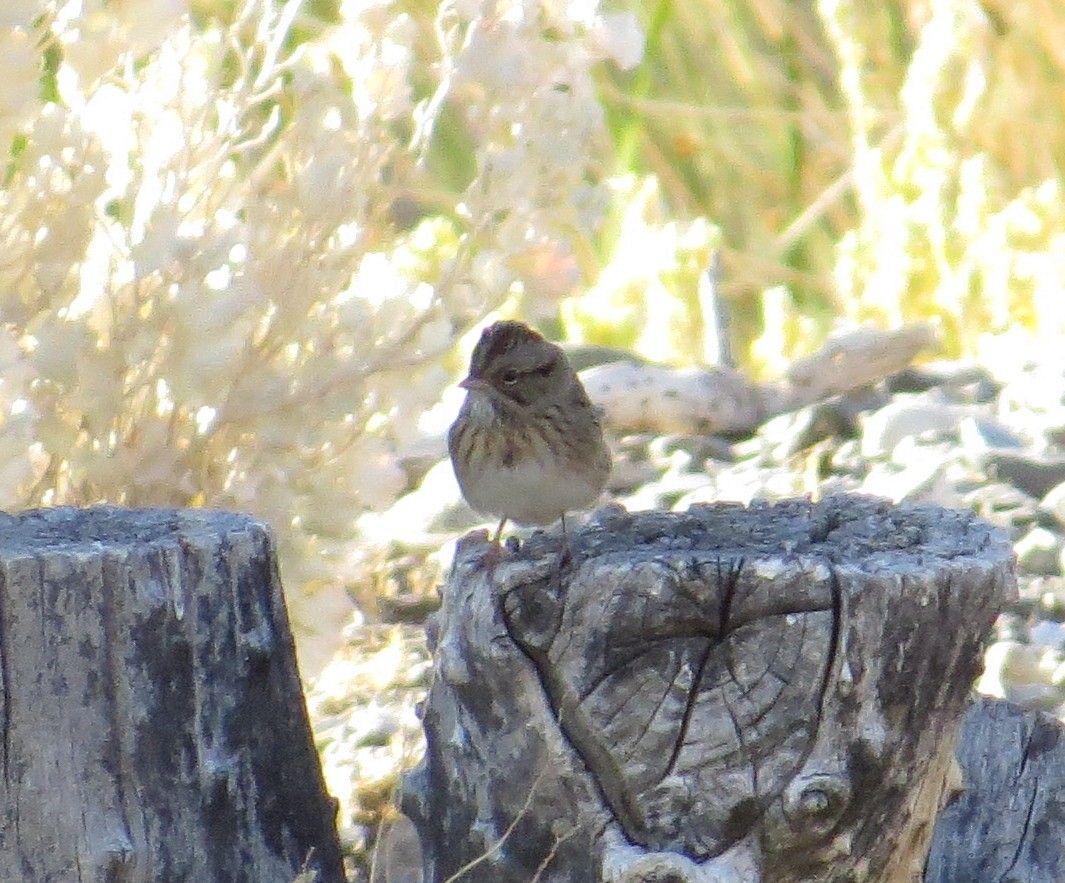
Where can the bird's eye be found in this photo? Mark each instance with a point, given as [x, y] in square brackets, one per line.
[509, 377]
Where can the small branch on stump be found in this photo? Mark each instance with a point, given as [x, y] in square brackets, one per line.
[152, 723]
[730, 694]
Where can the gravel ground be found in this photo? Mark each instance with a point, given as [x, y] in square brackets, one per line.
[957, 435]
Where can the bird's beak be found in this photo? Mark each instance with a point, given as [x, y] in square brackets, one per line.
[474, 384]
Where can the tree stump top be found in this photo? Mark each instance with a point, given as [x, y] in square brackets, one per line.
[64, 528]
[852, 530]
[733, 687]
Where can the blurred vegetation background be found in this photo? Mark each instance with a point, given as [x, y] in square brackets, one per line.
[240, 239]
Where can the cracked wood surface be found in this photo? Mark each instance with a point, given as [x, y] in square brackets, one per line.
[152, 719]
[766, 693]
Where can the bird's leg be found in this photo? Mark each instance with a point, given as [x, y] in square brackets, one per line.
[495, 552]
[499, 531]
[567, 551]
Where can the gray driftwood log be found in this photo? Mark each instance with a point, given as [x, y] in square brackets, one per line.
[152, 724]
[769, 693]
[718, 399]
[1009, 822]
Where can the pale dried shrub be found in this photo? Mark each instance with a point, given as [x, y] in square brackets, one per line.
[237, 251]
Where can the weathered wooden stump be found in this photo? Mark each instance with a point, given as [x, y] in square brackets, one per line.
[152, 724]
[731, 694]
